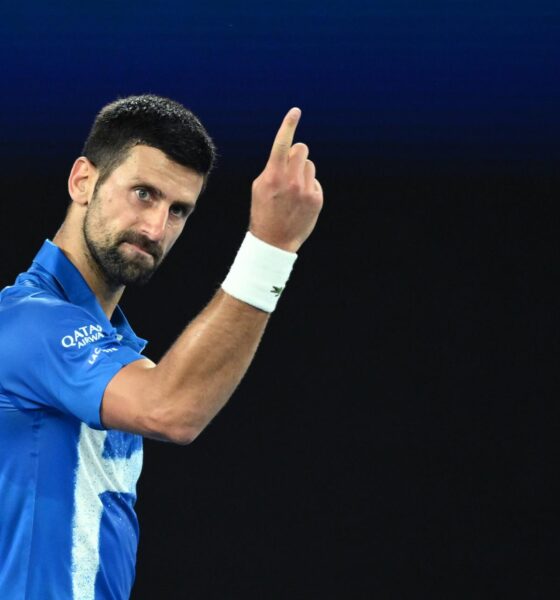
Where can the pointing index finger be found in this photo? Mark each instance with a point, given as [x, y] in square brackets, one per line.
[285, 137]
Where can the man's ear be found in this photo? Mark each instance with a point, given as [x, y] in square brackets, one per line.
[81, 181]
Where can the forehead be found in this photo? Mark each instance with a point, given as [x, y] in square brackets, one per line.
[151, 166]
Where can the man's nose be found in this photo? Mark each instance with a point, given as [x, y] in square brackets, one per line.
[154, 222]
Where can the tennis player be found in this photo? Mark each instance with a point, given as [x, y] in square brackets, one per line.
[77, 395]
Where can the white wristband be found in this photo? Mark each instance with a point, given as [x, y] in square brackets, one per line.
[259, 273]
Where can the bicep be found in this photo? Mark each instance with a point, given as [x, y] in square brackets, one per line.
[125, 405]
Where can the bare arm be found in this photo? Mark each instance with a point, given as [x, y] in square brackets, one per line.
[175, 399]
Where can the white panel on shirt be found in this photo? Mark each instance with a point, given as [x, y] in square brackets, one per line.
[95, 475]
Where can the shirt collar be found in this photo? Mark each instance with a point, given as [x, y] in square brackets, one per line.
[51, 258]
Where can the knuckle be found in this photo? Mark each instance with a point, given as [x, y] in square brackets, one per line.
[271, 179]
[310, 169]
[299, 149]
[295, 187]
[282, 146]
[268, 178]
[310, 196]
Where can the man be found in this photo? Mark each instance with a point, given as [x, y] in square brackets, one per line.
[76, 394]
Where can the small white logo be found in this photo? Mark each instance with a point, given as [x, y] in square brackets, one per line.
[82, 336]
[97, 351]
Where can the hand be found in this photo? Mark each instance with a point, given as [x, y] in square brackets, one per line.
[286, 197]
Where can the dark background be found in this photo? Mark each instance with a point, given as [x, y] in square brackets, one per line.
[396, 435]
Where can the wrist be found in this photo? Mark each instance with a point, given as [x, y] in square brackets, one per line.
[259, 273]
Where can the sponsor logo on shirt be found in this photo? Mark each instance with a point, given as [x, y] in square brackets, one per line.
[82, 336]
[97, 351]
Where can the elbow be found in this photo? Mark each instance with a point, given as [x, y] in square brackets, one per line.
[182, 436]
[173, 428]
[178, 419]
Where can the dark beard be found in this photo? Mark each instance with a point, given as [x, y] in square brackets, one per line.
[117, 269]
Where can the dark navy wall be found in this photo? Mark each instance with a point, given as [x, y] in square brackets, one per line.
[399, 79]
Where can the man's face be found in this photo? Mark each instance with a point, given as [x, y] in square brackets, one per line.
[137, 214]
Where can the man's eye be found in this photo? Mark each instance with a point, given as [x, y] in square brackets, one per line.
[142, 194]
[178, 211]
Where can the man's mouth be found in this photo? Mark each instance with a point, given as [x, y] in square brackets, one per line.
[139, 250]
[143, 247]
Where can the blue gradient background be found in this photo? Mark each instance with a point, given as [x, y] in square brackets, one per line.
[399, 80]
[397, 434]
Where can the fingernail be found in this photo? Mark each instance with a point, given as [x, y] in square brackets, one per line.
[295, 112]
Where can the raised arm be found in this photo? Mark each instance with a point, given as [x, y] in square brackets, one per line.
[175, 399]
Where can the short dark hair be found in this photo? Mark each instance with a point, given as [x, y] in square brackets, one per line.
[152, 121]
